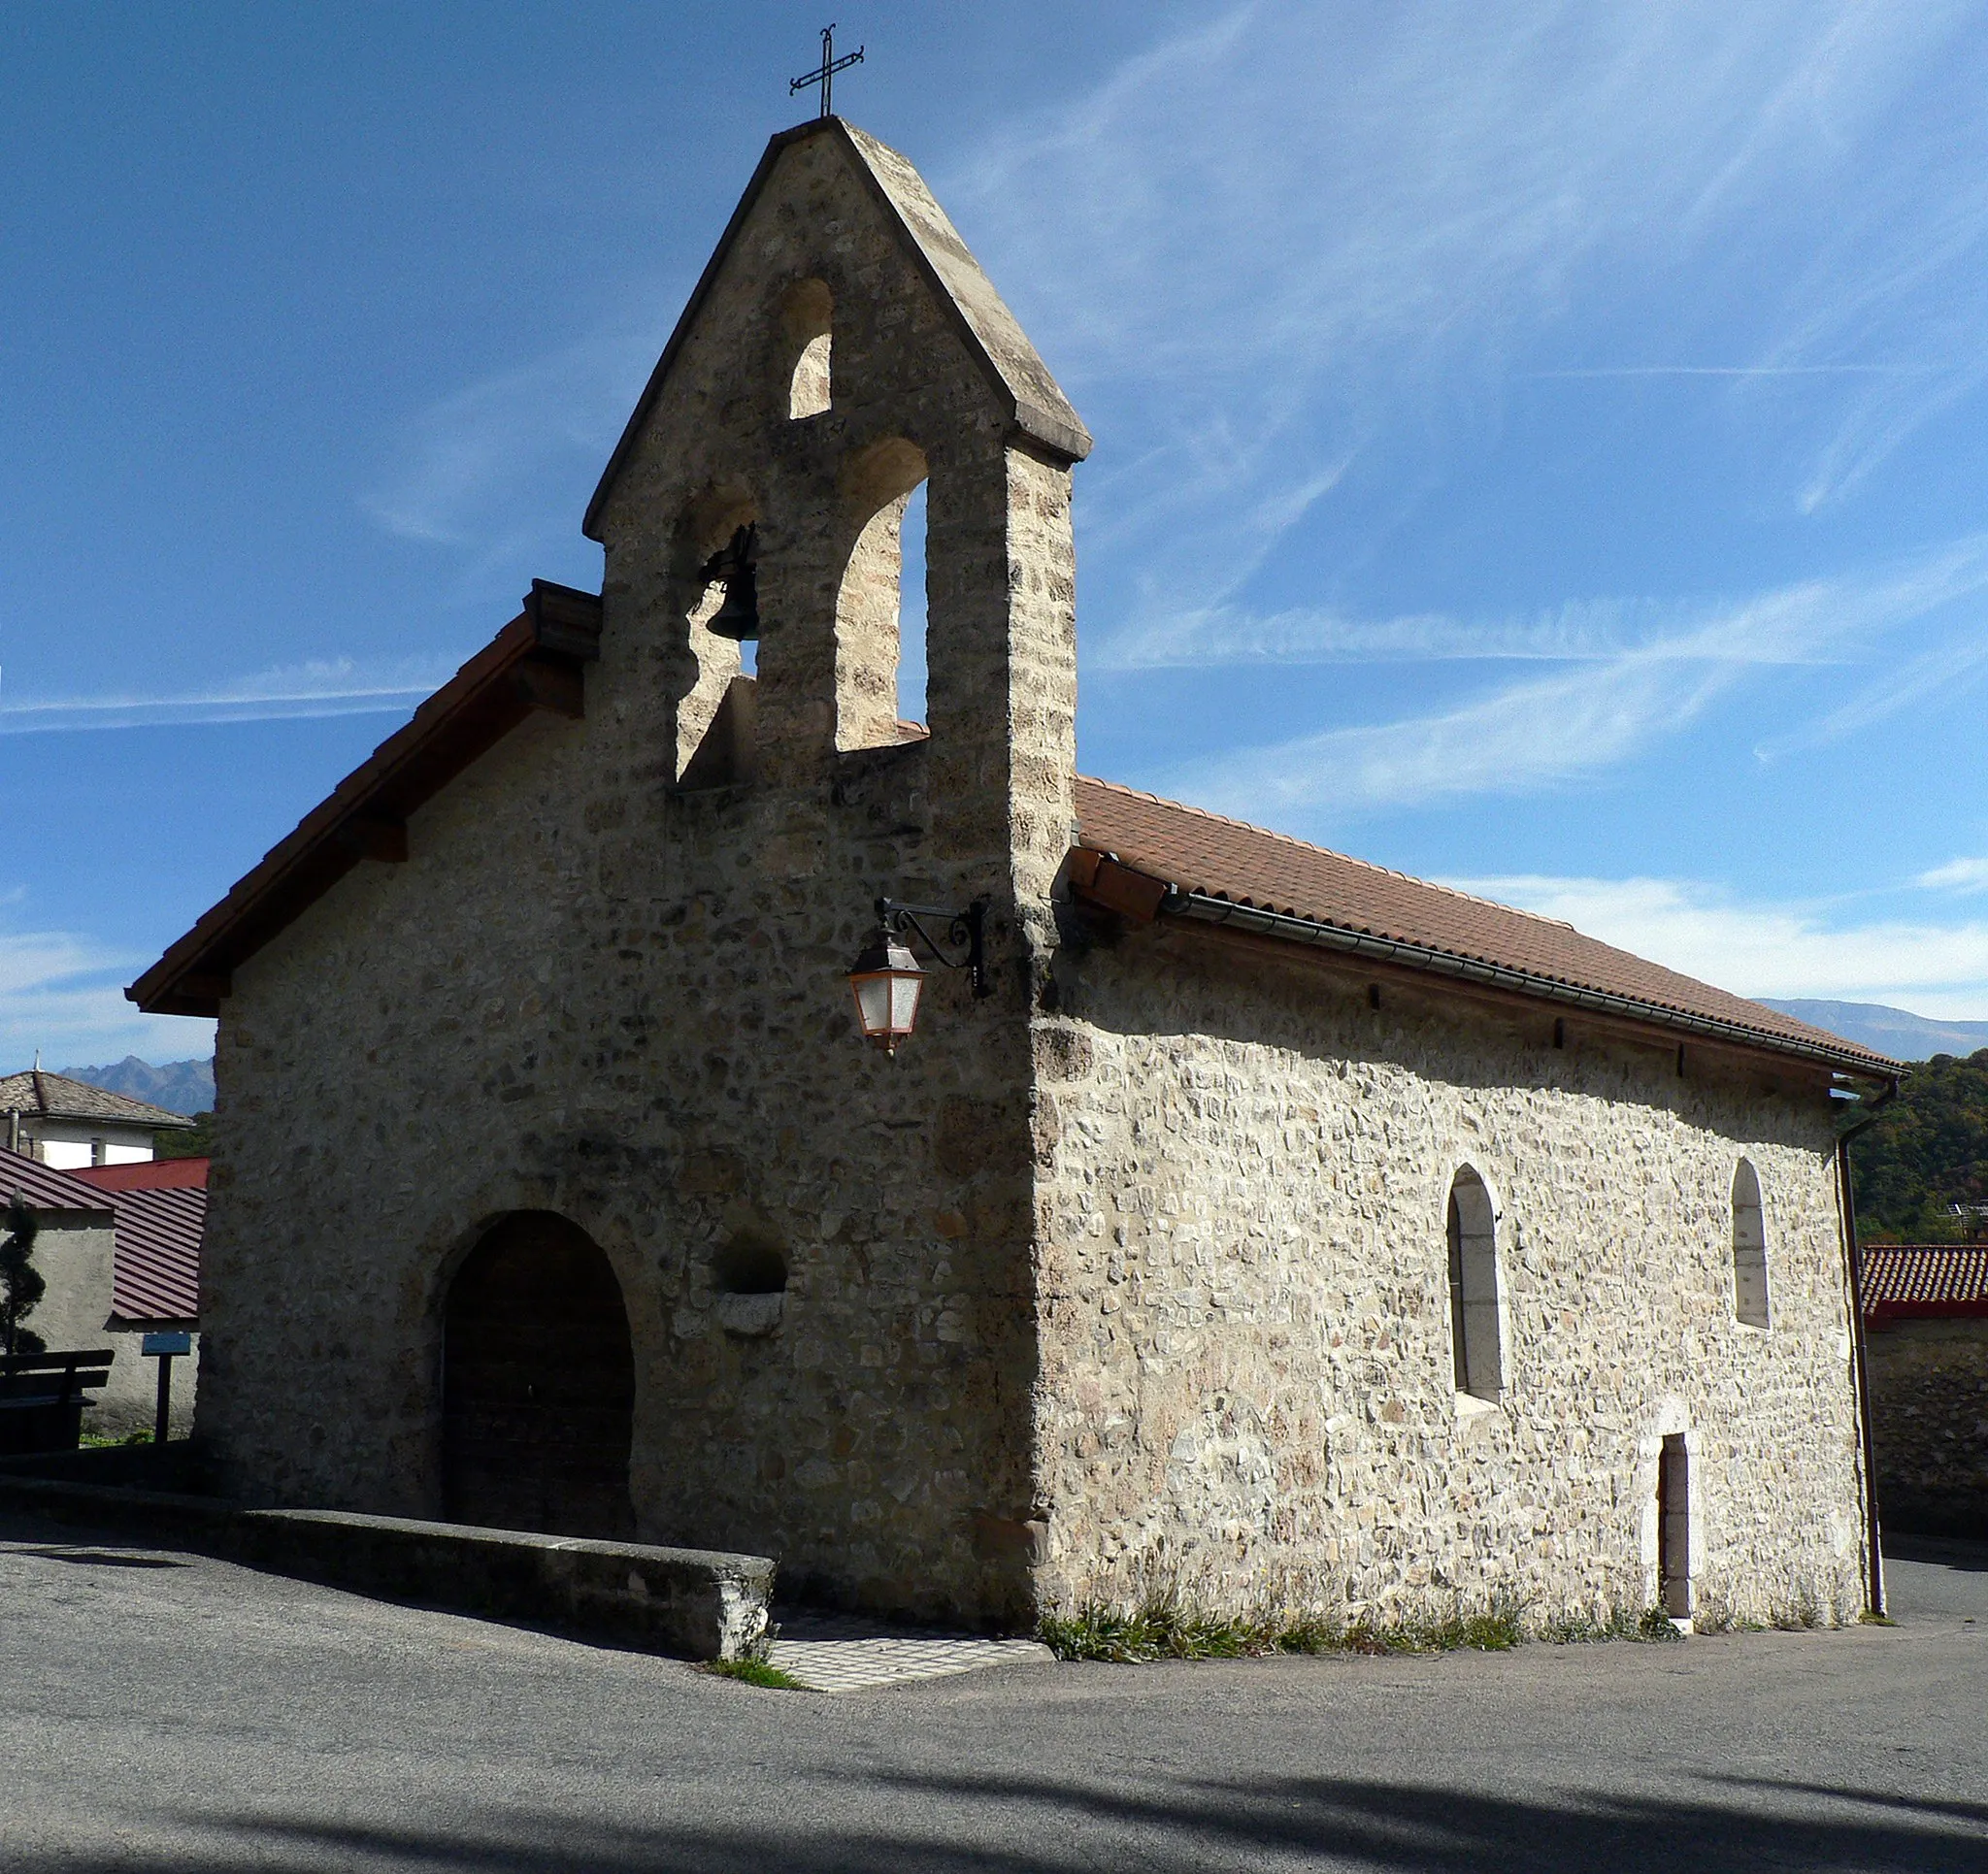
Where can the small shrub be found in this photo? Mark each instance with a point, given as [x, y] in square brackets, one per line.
[1655, 1625]
[1801, 1613]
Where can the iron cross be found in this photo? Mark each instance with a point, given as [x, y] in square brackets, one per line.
[830, 66]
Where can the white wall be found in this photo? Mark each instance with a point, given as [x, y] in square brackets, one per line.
[69, 1144]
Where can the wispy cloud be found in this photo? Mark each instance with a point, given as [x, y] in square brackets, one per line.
[1956, 875]
[1773, 949]
[62, 993]
[481, 470]
[1739, 371]
[1633, 674]
[1263, 247]
[330, 687]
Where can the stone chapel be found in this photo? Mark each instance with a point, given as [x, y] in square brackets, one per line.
[1272, 1218]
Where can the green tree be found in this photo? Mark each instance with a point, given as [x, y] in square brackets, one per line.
[1925, 1153]
[20, 1282]
[173, 1144]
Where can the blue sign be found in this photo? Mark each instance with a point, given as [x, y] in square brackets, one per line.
[176, 1342]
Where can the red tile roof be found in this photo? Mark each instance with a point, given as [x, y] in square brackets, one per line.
[1162, 856]
[1902, 1280]
[1223, 863]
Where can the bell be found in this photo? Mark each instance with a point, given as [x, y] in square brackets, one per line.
[739, 616]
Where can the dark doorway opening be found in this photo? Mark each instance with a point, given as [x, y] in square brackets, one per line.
[1674, 1528]
[538, 1384]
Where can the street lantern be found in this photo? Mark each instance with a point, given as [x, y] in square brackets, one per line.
[886, 980]
[887, 977]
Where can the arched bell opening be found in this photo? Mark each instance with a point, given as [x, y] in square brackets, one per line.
[538, 1384]
[719, 540]
[880, 652]
[807, 327]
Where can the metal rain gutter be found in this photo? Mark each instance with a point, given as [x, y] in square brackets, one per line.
[1205, 910]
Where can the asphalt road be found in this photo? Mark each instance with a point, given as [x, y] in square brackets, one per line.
[164, 1711]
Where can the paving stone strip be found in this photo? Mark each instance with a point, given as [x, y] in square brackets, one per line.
[839, 1653]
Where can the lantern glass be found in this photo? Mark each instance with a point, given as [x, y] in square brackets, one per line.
[886, 980]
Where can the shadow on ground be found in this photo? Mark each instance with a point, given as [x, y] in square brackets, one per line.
[1005, 1825]
[1948, 1551]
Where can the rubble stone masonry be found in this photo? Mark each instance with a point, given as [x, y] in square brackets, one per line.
[1247, 1380]
[1929, 1408]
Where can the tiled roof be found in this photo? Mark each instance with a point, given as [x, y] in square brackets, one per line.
[52, 1096]
[157, 1259]
[46, 1189]
[1903, 1279]
[1418, 924]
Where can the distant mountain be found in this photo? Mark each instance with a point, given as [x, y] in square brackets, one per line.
[1890, 1030]
[179, 1086]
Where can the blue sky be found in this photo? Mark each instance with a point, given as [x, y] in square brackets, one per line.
[1539, 446]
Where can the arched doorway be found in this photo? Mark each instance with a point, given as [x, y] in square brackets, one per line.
[538, 1384]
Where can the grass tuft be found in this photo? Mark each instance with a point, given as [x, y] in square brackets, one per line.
[1167, 1624]
[753, 1672]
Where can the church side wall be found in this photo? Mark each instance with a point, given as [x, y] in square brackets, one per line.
[1247, 1379]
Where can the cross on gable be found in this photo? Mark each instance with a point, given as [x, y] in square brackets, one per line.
[824, 73]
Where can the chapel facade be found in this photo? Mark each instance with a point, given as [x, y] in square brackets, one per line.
[1274, 1222]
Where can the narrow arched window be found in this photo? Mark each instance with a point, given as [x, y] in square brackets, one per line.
[1749, 1248]
[1476, 1327]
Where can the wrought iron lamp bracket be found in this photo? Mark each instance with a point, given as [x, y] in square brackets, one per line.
[964, 933]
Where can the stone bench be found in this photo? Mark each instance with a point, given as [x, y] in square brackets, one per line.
[697, 1603]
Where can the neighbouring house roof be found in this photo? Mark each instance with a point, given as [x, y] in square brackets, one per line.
[534, 663]
[1136, 854]
[149, 1174]
[157, 1254]
[1904, 1280]
[992, 334]
[1147, 857]
[47, 1191]
[49, 1095]
[155, 1248]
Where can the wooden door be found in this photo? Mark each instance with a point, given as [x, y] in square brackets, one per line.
[1674, 1528]
[538, 1384]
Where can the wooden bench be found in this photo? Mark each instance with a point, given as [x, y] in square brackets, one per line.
[42, 1396]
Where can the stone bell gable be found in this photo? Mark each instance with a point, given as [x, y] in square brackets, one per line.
[548, 1001]
[842, 348]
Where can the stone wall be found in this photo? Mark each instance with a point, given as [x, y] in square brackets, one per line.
[591, 991]
[1247, 1381]
[1929, 1412]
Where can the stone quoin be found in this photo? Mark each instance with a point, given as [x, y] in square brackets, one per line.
[554, 1183]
